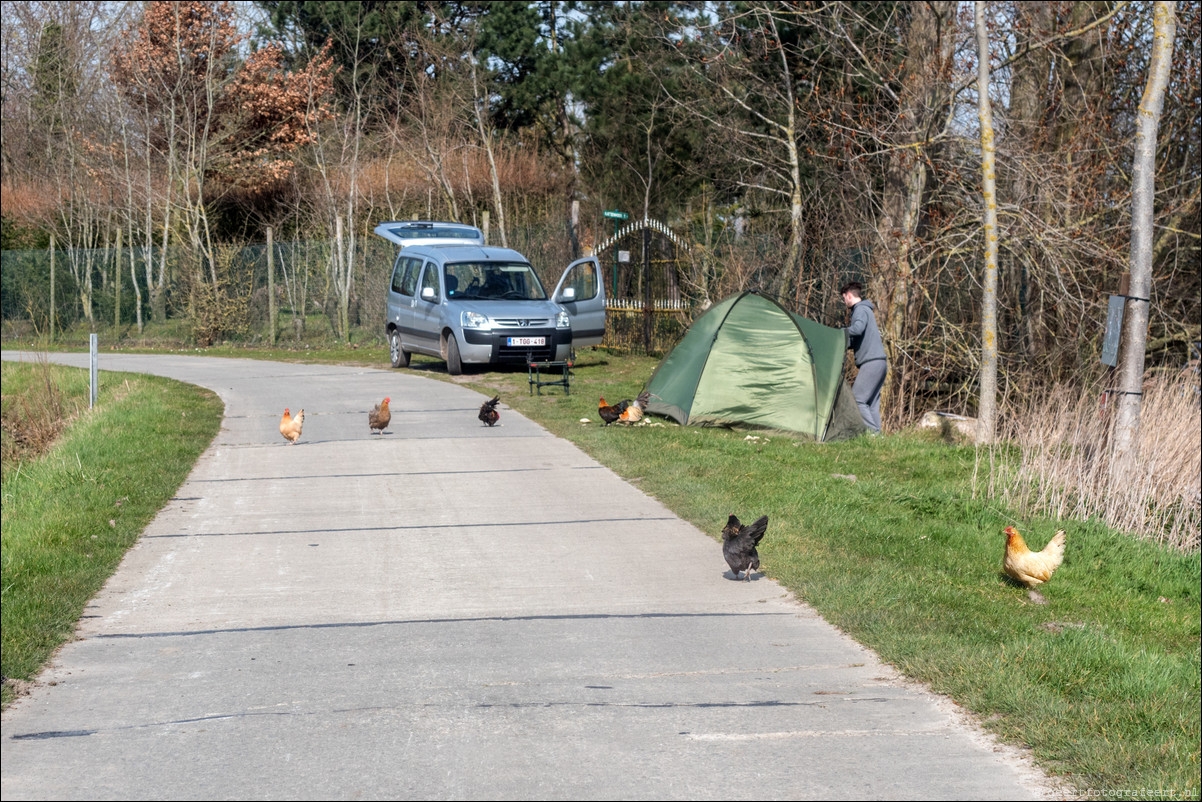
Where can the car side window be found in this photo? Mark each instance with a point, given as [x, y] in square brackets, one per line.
[411, 270]
[398, 276]
[430, 278]
[583, 279]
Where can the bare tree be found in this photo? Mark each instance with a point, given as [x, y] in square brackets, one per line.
[487, 132]
[1143, 196]
[989, 341]
[753, 106]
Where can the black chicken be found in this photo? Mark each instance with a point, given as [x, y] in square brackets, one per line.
[488, 411]
[739, 542]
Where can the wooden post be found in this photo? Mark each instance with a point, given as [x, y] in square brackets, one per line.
[52, 286]
[117, 286]
[271, 311]
[484, 224]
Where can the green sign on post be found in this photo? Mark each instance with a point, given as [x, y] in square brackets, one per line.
[616, 215]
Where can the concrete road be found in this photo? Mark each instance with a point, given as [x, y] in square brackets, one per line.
[450, 611]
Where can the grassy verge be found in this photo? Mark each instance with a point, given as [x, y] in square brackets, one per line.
[70, 514]
[1102, 682]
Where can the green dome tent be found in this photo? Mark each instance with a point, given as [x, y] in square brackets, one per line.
[749, 362]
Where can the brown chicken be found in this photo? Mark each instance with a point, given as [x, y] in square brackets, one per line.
[290, 427]
[380, 416]
[634, 412]
[488, 411]
[1032, 567]
[610, 413]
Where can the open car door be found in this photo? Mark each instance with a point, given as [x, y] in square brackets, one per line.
[581, 292]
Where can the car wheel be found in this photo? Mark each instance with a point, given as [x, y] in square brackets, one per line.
[400, 358]
[454, 363]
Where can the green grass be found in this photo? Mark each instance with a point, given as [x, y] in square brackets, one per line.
[70, 514]
[1102, 682]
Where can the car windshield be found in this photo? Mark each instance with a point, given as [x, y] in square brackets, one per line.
[494, 281]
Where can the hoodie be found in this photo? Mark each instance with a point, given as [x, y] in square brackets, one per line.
[862, 334]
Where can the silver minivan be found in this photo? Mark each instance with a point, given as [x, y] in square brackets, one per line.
[471, 304]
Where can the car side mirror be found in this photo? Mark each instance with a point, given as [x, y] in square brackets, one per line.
[427, 293]
[568, 294]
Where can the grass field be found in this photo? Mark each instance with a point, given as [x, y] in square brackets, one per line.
[885, 538]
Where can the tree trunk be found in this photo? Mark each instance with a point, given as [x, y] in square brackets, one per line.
[487, 134]
[1026, 136]
[923, 98]
[1135, 320]
[987, 413]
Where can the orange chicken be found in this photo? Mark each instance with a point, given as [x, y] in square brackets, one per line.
[290, 427]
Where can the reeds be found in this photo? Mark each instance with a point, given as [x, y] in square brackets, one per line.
[1057, 461]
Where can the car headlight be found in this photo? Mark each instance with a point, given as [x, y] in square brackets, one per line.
[474, 320]
[562, 321]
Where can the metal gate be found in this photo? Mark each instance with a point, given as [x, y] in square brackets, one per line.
[647, 311]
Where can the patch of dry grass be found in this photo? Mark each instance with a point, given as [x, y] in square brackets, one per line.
[38, 403]
[1059, 465]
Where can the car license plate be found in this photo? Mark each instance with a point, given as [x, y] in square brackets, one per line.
[520, 341]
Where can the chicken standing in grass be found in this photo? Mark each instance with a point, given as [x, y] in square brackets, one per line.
[634, 412]
[739, 542]
[379, 417]
[488, 411]
[290, 427]
[611, 412]
[1032, 567]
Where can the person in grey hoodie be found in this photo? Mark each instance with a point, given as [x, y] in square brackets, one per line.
[865, 339]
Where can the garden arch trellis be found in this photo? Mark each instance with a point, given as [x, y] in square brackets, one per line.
[658, 278]
[646, 304]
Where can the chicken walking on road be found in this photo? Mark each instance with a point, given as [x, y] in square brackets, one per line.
[739, 542]
[488, 411]
[379, 417]
[290, 427]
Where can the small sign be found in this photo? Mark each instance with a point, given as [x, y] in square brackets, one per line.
[624, 256]
[1114, 330]
[616, 215]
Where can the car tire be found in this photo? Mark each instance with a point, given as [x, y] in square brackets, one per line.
[398, 355]
[454, 363]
